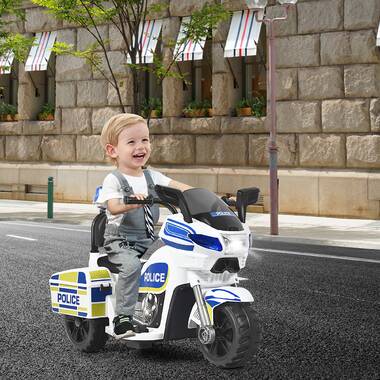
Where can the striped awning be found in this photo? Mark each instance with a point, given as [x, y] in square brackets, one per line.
[40, 52]
[244, 34]
[378, 37]
[6, 62]
[185, 49]
[149, 32]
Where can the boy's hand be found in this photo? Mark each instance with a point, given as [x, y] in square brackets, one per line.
[139, 197]
[116, 206]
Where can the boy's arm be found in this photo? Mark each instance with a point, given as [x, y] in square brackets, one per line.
[179, 185]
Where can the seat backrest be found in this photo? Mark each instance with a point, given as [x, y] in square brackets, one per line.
[97, 230]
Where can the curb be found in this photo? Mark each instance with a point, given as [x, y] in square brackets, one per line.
[315, 242]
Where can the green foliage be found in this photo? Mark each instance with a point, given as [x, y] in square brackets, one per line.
[243, 103]
[197, 105]
[204, 21]
[257, 103]
[47, 109]
[90, 55]
[11, 12]
[10, 8]
[18, 44]
[151, 104]
[7, 109]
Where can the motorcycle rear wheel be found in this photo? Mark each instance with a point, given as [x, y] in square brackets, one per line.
[87, 335]
[237, 336]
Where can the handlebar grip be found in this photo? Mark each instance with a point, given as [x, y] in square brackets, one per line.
[228, 201]
[135, 201]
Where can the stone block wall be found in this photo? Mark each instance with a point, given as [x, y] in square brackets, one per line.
[328, 112]
[328, 98]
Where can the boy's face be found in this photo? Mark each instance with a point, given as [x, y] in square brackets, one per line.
[133, 147]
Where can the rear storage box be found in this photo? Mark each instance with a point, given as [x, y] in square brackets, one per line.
[81, 292]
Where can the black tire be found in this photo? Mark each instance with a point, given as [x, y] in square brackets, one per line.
[237, 336]
[87, 335]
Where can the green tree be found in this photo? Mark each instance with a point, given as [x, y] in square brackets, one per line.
[126, 16]
[11, 12]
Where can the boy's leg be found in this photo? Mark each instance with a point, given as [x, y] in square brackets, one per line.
[127, 286]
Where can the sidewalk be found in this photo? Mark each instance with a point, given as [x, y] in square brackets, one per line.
[355, 233]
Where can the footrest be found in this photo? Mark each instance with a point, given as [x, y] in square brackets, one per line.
[138, 329]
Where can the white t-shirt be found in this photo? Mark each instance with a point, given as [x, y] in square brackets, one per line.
[111, 189]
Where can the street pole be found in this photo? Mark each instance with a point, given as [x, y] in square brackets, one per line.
[50, 198]
[273, 176]
[272, 145]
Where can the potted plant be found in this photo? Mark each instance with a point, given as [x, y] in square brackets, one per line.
[8, 112]
[195, 108]
[47, 112]
[258, 105]
[208, 107]
[152, 106]
[243, 107]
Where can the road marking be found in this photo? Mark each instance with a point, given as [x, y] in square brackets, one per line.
[348, 258]
[44, 226]
[21, 237]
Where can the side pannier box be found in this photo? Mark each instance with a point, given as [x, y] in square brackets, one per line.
[81, 292]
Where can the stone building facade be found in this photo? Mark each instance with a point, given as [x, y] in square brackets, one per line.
[328, 116]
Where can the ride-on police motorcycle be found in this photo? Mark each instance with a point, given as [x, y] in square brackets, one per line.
[188, 286]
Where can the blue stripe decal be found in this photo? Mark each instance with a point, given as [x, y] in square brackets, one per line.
[73, 291]
[54, 277]
[82, 287]
[177, 232]
[55, 309]
[81, 277]
[183, 225]
[178, 246]
[68, 307]
[54, 284]
[81, 314]
[98, 295]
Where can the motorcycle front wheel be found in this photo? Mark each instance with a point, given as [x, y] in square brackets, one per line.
[87, 335]
[237, 336]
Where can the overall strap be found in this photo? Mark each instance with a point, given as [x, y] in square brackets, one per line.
[149, 180]
[127, 190]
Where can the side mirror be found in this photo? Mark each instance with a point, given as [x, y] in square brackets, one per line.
[244, 198]
[175, 198]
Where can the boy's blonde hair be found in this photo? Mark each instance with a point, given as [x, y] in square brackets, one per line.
[115, 125]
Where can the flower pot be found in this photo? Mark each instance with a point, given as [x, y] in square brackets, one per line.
[199, 113]
[246, 111]
[8, 117]
[155, 114]
[49, 117]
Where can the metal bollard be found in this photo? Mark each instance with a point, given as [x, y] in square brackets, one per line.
[50, 198]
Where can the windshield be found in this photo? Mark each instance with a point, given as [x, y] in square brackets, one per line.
[206, 207]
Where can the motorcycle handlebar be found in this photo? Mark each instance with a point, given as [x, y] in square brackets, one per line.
[134, 201]
[149, 200]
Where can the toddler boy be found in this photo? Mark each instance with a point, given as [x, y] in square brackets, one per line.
[125, 138]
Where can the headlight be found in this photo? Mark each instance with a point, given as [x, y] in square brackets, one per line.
[205, 241]
[236, 244]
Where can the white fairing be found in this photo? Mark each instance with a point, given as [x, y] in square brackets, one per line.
[216, 297]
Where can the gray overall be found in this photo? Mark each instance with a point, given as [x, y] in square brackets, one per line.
[125, 244]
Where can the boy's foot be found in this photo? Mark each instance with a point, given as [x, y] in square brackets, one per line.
[123, 326]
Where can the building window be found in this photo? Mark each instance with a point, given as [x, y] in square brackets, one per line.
[9, 86]
[198, 78]
[40, 66]
[249, 74]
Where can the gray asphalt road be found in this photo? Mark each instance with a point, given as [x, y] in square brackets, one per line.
[320, 316]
